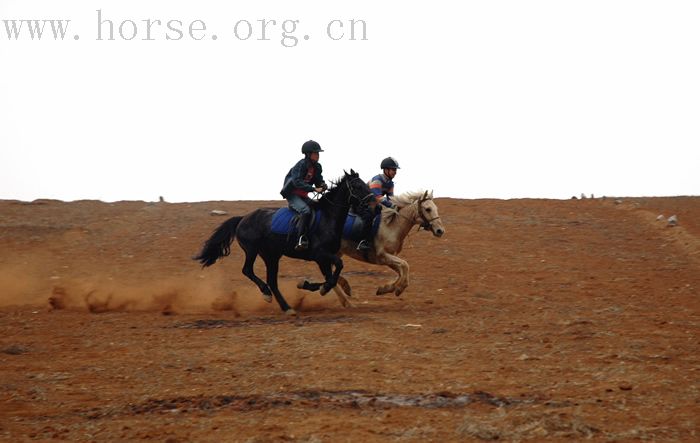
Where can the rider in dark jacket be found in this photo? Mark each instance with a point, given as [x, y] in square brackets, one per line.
[304, 177]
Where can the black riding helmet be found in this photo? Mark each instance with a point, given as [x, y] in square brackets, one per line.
[390, 163]
[310, 146]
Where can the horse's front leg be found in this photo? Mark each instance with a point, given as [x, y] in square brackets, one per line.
[400, 266]
[342, 289]
[338, 263]
[326, 264]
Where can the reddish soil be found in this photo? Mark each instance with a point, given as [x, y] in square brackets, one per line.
[528, 320]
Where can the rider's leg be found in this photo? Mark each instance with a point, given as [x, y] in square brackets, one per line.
[304, 221]
[297, 204]
[368, 220]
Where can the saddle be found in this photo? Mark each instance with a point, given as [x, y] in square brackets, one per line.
[353, 228]
[284, 221]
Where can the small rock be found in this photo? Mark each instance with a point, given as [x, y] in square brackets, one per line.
[218, 212]
[672, 221]
[15, 350]
[439, 331]
[618, 202]
[625, 386]
[661, 218]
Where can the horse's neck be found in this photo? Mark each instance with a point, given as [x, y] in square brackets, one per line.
[337, 208]
[404, 222]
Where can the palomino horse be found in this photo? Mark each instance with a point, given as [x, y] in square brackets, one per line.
[256, 237]
[413, 208]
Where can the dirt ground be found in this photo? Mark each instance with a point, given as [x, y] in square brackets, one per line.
[529, 320]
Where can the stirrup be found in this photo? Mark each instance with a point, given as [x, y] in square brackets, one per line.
[363, 245]
[302, 244]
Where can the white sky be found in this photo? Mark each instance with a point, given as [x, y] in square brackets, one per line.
[475, 99]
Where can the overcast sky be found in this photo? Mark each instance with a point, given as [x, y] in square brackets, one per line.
[475, 99]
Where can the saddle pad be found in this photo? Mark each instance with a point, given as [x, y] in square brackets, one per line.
[284, 221]
[354, 227]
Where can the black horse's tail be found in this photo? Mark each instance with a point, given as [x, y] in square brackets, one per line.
[219, 244]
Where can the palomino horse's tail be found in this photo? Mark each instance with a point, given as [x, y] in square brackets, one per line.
[219, 244]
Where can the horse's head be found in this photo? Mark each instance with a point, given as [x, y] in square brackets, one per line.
[358, 193]
[427, 214]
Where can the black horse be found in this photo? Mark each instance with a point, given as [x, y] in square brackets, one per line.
[255, 237]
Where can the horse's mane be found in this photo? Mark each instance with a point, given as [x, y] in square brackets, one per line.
[325, 198]
[406, 198]
[401, 201]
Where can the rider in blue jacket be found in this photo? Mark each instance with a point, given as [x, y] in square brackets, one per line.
[304, 177]
[382, 186]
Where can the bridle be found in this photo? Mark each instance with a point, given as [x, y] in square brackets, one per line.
[427, 224]
[351, 195]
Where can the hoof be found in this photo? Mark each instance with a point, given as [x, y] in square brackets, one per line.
[290, 312]
[267, 298]
[346, 286]
[324, 291]
[384, 290]
[302, 284]
[347, 303]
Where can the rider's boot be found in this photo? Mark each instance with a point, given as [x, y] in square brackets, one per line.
[303, 243]
[366, 242]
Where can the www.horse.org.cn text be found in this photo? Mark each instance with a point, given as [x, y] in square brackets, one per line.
[286, 32]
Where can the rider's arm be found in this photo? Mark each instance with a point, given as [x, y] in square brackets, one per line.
[298, 175]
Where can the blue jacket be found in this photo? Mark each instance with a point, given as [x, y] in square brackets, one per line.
[382, 187]
[297, 180]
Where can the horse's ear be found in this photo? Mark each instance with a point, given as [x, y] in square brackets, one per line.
[352, 172]
[431, 193]
[425, 196]
[345, 172]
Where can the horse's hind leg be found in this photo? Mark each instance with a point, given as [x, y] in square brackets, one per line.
[342, 296]
[272, 265]
[248, 271]
[343, 283]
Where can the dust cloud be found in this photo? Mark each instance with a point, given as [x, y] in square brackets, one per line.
[172, 295]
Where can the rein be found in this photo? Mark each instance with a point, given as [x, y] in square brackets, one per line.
[350, 196]
[427, 223]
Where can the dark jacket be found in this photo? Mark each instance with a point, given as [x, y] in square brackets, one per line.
[295, 179]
